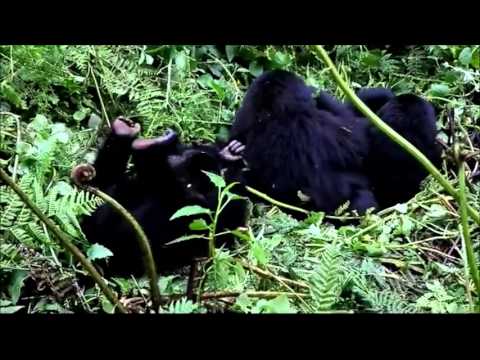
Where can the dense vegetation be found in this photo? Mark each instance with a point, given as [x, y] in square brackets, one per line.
[54, 103]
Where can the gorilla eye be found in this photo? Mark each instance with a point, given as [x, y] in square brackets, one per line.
[189, 186]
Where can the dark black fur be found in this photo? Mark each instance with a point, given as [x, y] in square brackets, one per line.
[394, 175]
[167, 176]
[292, 146]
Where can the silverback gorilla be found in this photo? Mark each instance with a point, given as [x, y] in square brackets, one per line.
[326, 150]
[168, 176]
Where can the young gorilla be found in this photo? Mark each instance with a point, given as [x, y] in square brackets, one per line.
[394, 175]
[168, 177]
[294, 148]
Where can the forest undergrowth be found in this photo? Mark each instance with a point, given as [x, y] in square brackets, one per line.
[56, 103]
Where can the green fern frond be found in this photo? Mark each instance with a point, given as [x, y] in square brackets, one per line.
[386, 301]
[327, 279]
[182, 306]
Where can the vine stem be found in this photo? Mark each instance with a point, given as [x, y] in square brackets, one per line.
[273, 201]
[258, 294]
[465, 230]
[65, 242]
[143, 242]
[269, 275]
[392, 134]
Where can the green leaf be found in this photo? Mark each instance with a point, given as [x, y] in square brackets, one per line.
[181, 61]
[141, 59]
[97, 251]
[407, 225]
[63, 188]
[255, 68]
[219, 88]
[439, 90]
[79, 115]
[401, 208]
[278, 305]
[189, 211]
[205, 80]
[437, 211]
[107, 306]
[465, 56]
[476, 59]
[39, 123]
[281, 59]
[11, 95]
[94, 121]
[259, 253]
[242, 235]
[149, 59]
[165, 283]
[243, 303]
[198, 225]
[60, 133]
[216, 70]
[231, 51]
[217, 180]
[16, 284]
[10, 309]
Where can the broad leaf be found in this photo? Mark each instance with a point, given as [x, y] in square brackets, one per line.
[97, 251]
[189, 211]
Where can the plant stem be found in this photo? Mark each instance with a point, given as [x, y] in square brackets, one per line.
[143, 241]
[269, 275]
[258, 294]
[65, 242]
[273, 201]
[466, 231]
[392, 134]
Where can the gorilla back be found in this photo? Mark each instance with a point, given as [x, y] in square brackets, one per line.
[293, 146]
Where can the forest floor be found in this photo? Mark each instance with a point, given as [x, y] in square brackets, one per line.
[410, 258]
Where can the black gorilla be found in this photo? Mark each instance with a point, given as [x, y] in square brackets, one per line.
[394, 175]
[168, 176]
[294, 148]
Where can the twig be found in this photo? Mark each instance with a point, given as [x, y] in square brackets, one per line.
[65, 242]
[97, 88]
[258, 294]
[17, 122]
[392, 134]
[169, 81]
[15, 163]
[148, 260]
[268, 274]
[273, 201]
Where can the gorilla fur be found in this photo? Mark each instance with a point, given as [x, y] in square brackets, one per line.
[167, 176]
[295, 148]
[394, 175]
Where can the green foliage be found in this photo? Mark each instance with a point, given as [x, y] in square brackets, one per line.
[403, 260]
[327, 279]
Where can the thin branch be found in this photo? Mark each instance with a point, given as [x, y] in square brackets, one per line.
[258, 294]
[269, 275]
[465, 229]
[273, 201]
[65, 242]
[143, 242]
